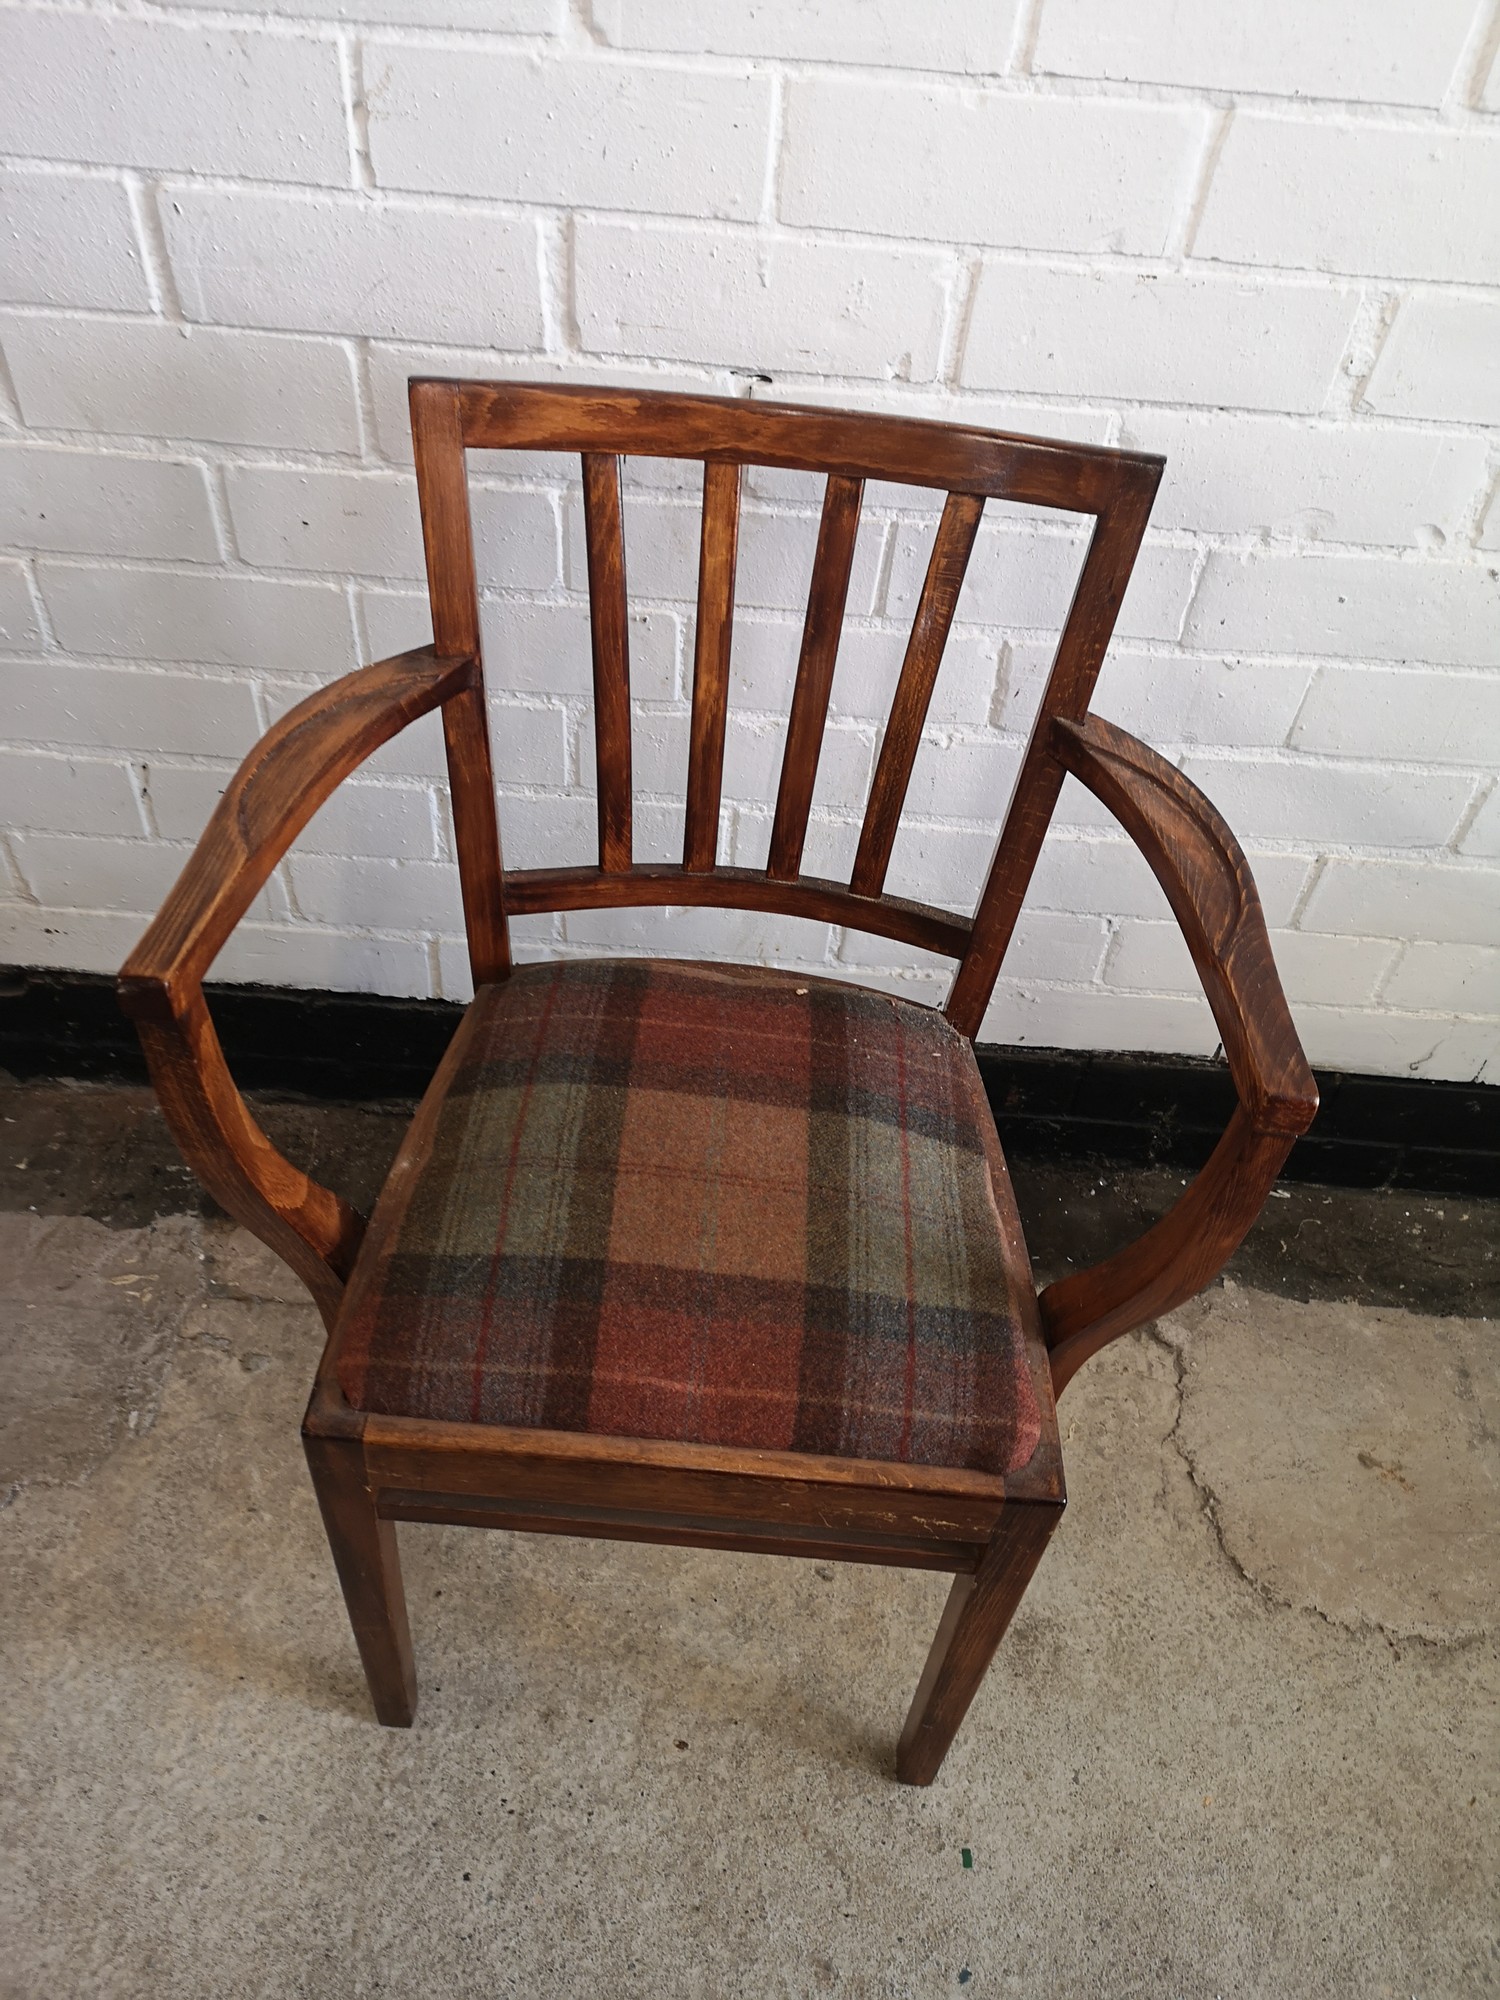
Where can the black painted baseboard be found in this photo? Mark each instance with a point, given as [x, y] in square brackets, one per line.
[1372, 1131]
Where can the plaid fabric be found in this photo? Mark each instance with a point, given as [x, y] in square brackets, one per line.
[708, 1204]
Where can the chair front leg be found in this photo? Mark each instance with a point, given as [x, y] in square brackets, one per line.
[369, 1567]
[979, 1608]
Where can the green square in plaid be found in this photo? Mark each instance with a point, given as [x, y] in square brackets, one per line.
[706, 1204]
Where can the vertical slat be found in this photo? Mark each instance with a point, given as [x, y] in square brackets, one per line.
[716, 561]
[609, 622]
[924, 653]
[1080, 654]
[820, 645]
[443, 489]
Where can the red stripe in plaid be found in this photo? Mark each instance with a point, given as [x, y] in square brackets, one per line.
[705, 1204]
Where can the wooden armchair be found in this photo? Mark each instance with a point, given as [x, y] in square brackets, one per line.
[699, 1254]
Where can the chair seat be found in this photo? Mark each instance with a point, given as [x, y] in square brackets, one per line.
[705, 1204]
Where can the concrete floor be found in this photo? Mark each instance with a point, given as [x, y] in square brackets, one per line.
[1241, 1739]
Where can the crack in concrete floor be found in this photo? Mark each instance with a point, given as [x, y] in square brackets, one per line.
[1285, 1411]
[1208, 1502]
[1211, 1508]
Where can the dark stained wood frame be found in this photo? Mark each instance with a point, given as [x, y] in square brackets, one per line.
[371, 1471]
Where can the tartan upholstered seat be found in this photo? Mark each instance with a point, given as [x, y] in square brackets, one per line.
[708, 1204]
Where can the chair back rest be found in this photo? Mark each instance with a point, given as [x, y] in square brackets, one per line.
[968, 465]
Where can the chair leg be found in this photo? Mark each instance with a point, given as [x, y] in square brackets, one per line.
[369, 1567]
[978, 1610]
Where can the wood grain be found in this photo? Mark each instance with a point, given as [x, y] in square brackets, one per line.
[275, 792]
[476, 833]
[602, 1483]
[363, 1543]
[714, 633]
[1208, 883]
[314, 1230]
[418, 1451]
[1085, 637]
[820, 645]
[447, 534]
[746, 1537]
[531, 889]
[448, 539]
[919, 670]
[979, 1608]
[1036, 472]
[1174, 1260]
[609, 621]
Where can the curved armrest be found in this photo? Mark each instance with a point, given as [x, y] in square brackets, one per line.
[1213, 896]
[275, 792]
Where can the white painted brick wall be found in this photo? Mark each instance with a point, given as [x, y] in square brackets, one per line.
[1141, 334]
[65, 870]
[160, 614]
[170, 95]
[1282, 48]
[52, 794]
[641, 137]
[1403, 201]
[1483, 836]
[758, 302]
[1433, 976]
[1373, 806]
[1395, 716]
[152, 379]
[47, 701]
[1316, 970]
[1031, 172]
[1417, 900]
[343, 264]
[1234, 474]
[20, 626]
[1439, 361]
[69, 241]
[1354, 606]
[880, 33]
[55, 497]
[1260, 240]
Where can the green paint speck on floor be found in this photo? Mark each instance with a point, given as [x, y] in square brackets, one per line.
[968, 1858]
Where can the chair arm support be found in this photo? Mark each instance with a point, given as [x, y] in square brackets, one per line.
[286, 777]
[1208, 883]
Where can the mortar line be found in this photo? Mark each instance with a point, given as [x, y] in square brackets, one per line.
[356, 111]
[156, 261]
[1215, 138]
